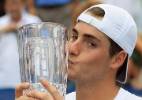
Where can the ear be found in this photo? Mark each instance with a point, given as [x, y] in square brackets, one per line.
[118, 59]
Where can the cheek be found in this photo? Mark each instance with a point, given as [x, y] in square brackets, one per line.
[95, 57]
[94, 64]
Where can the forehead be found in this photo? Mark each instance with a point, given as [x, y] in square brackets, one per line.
[84, 28]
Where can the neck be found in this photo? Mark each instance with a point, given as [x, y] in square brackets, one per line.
[100, 90]
[16, 18]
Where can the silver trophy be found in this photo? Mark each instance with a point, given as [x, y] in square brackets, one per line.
[42, 55]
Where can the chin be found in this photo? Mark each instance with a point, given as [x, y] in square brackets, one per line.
[71, 78]
[71, 75]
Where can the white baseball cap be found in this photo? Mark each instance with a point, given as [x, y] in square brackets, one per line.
[118, 25]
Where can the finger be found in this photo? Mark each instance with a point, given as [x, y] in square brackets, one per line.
[40, 95]
[25, 98]
[20, 88]
[52, 90]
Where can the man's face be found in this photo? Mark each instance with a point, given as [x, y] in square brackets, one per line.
[88, 53]
[14, 7]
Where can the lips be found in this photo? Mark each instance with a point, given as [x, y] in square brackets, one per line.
[71, 62]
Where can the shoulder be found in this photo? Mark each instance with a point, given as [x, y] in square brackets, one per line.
[71, 96]
[31, 18]
[4, 19]
[125, 95]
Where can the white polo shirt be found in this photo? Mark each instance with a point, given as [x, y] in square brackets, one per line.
[122, 95]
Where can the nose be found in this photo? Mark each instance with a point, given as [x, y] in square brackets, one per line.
[74, 48]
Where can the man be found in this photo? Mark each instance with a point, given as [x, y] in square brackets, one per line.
[52, 10]
[9, 60]
[101, 43]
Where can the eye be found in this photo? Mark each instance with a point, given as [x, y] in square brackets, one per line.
[91, 44]
[74, 36]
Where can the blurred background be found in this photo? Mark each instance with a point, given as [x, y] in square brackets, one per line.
[15, 13]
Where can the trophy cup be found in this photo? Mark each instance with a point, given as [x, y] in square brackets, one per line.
[42, 54]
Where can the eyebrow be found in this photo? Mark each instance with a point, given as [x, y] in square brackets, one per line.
[88, 36]
[75, 30]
